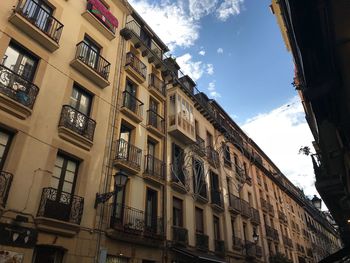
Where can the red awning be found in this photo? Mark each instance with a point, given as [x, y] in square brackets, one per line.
[104, 12]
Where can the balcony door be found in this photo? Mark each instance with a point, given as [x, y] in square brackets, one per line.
[178, 162]
[216, 228]
[130, 96]
[124, 143]
[153, 107]
[90, 52]
[39, 13]
[5, 141]
[151, 152]
[151, 211]
[63, 183]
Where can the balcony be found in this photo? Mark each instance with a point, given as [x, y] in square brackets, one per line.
[139, 37]
[154, 169]
[133, 225]
[282, 217]
[178, 179]
[59, 212]
[219, 247]
[216, 200]
[76, 127]
[101, 18]
[199, 146]
[132, 107]
[255, 216]
[5, 185]
[128, 157]
[237, 243]
[135, 67]
[270, 232]
[91, 64]
[155, 123]
[17, 95]
[39, 24]
[201, 191]
[250, 248]
[213, 157]
[246, 212]
[156, 87]
[264, 205]
[202, 241]
[235, 204]
[180, 236]
[271, 209]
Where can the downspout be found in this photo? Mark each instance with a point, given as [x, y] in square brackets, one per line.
[108, 152]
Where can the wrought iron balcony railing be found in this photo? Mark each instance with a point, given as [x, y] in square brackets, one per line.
[219, 247]
[150, 43]
[154, 167]
[17, 87]
[180, 235]
[77, 122]
[255, 216]
[128, 153]
[216, 197]
[246, 208]
[235, 203]
[136, 222]
[135, 63]
[156, 121]
[250, 248]
[92, 59]
[40, 18]
[213, 156]
[202, 241]
[155, 82]
[61, 206]
[237, 243]
[132, 103]
[5, 184]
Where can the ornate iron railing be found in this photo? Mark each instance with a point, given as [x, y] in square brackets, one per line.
[136, 64]
[180, 235]
[40, 18]
[216, 197]
[237, 243]
[61, 206]
[92, 59]
[235, 203]
[213, 156]
[157, 83]
[77, 122]
[132, 103]
[246, 208]
[156, 121]
[5, 184]
[255, 216]
[150, 43]
[250, 248]
[17, 88]
[154, 167]
[202, 241]
[219, 247]
[128, 153]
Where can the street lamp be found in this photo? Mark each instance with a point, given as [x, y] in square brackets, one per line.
[317, 202]
[120, 179]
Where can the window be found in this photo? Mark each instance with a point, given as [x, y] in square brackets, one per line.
[227, 155]
[19, 61]
[124, 140]
[245, 234]
[64, 176]
[250, 199]
[39, 12]
[235, 159]
[178, 161]
[177, 212]
[80, 100]
[196, 128]
[5, 141]
[151, 210]
[216, 221]
[130, 101]
[209, 139]
[199, 220]
[47, 254]
[153, 113]
[233, 227]
[198, 176]
[115, 259]
[90, 52]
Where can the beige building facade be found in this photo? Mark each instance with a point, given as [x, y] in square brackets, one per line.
[86, 96]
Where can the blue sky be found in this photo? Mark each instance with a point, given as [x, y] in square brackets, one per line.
[234, 51]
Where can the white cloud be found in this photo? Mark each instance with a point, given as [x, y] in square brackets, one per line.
[280, 133]
[211, 86]
[210, 69]
[229, 8]
[212, 90]
[200, 8]
[195, 69]
[220, 50]
[202, 52]
[170, 21]
[215, 94]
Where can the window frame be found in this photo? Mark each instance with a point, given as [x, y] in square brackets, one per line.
[7, 146]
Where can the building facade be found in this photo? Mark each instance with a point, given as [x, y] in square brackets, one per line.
[87, 96]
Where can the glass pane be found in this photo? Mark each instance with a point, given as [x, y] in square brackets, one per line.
[67, 187]
[57, 172]
[54, 182]
[10, 58]
[74, 98]
[85, 104]
[69, 176]
[71, 166]
[59, 161]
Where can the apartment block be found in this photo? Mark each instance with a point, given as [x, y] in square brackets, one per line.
[110, 154]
